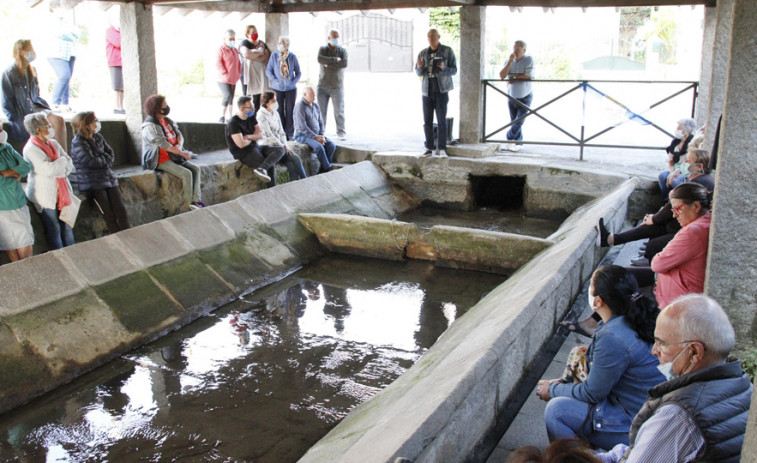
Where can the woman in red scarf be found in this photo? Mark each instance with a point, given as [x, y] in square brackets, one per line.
[48, 187]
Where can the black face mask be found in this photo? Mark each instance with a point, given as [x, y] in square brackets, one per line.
[165, 111]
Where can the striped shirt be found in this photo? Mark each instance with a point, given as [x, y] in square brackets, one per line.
[669, 436]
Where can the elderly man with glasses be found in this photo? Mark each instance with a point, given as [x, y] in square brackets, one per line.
[700, 412]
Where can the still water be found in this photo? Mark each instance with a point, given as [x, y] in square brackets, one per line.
[491, 219]
[261, 379]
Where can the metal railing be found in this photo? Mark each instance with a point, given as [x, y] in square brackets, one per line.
[582, 140]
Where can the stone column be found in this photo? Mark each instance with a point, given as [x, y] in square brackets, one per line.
[139, 68]
[732, 263]
[706, 69]
[276, 25]
[720, 57]
[470, 65]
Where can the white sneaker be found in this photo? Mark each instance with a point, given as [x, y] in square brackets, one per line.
[342, 136]
[516, 148]
[506, 147]
[442, 153]
[261, 174]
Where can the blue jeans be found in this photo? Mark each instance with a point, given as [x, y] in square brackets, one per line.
[662, 179]
[566, 417]
[63, 69]
[294, 166]
[58, 233]
[517, 111]
[435, 102]
[325, 152]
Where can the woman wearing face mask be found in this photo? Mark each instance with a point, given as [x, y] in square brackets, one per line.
[47, 186]
[163, 149]
[620, 364]
[255, 54]
[93, 159]
[21, 95]
[229, 69]
[283, 73]
[684, 133]
[16, 235]
[273, 135]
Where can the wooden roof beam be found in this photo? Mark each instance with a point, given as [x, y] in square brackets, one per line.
[347, 5]
[233, 6]
[593, 3]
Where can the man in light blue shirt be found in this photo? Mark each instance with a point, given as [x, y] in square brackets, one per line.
[309, 128]
[519, 71]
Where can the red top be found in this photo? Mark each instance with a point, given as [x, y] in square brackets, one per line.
[228, 64]
[681, 265]
[172, 139]
[113, 46]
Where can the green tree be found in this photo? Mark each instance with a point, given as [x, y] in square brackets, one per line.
[446, 21]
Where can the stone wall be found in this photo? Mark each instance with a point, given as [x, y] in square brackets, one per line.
[67, 311]
[443, 407]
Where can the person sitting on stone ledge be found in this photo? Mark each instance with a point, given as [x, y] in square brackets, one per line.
[16, 234]
[93, 159]
[599, 402]
[273, 135]
[678, 147]
[700, 412]
[242, 135]
[163, 149]
[309, 128]
[680, 267]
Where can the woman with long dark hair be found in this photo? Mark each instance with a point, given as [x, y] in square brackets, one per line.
[620, 366]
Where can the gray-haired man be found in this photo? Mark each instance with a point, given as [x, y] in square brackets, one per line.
[333, 60]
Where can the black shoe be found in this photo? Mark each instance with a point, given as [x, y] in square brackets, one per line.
[222, 120]
[603, 233]
[426, 153]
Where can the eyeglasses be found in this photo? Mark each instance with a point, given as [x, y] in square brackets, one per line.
[677, 209]
[661, 345]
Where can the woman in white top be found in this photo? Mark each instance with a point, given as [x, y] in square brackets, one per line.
[273, 135]
[47, 186]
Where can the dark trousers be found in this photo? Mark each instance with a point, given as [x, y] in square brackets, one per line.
[517, 111]
[286, 110]
[659, 236]
[255, 100]
[110, 204]
[644, 275]
[435, 102]
[293, 164]
[263, 157]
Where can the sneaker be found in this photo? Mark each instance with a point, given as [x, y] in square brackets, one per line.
[505, 147]
[342, 136]
[261, 174]
[426, 153]
[119, 111]
[222, 120]
[442, 153]
[194, 206]
[201, 203]
[516, 148]
[640, 262]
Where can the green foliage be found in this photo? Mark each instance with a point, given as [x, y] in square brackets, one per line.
[749, 361]
[557, 64]
[447, 22]
[192, 75]
[634, 17]
[501, 51]
[663, 26]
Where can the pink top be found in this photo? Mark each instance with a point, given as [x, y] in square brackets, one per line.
[680, 267]
[113, 46]
[228, 64]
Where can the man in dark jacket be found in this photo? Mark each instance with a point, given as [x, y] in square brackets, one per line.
[700, 413]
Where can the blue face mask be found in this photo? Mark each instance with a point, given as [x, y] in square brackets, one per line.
[250, 113]
[334, 42]
[667, 368]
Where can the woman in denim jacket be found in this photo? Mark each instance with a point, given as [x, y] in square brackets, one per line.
[620, 366]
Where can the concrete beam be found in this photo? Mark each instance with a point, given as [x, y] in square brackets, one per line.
[732, 266]
[139, 66]
[471, 67]
[707, 66]
[721, 55]
[276, 25]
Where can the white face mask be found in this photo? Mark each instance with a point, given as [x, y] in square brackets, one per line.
[592, 300]
[678, 134]
[98, 127]
[667, 368]
[274, 107]
[281, 48]
[51, 132]
[3, 137]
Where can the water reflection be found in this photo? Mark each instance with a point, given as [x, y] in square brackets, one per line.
[261, 379]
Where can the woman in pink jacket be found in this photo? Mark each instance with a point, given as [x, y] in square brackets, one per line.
[229, 69]
[680, 266]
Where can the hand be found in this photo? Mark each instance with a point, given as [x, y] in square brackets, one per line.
[675, 175]
[648, 219]
[320, 139]
[441, 64]
[542, 388]
[512, 57]
[419, 63]
[185, 155]
[10, 173]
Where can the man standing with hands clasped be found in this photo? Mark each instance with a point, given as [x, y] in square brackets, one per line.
[333, 60]
[436, 64]
[519, 71]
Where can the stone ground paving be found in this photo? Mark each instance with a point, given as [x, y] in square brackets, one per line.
[528, 427]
